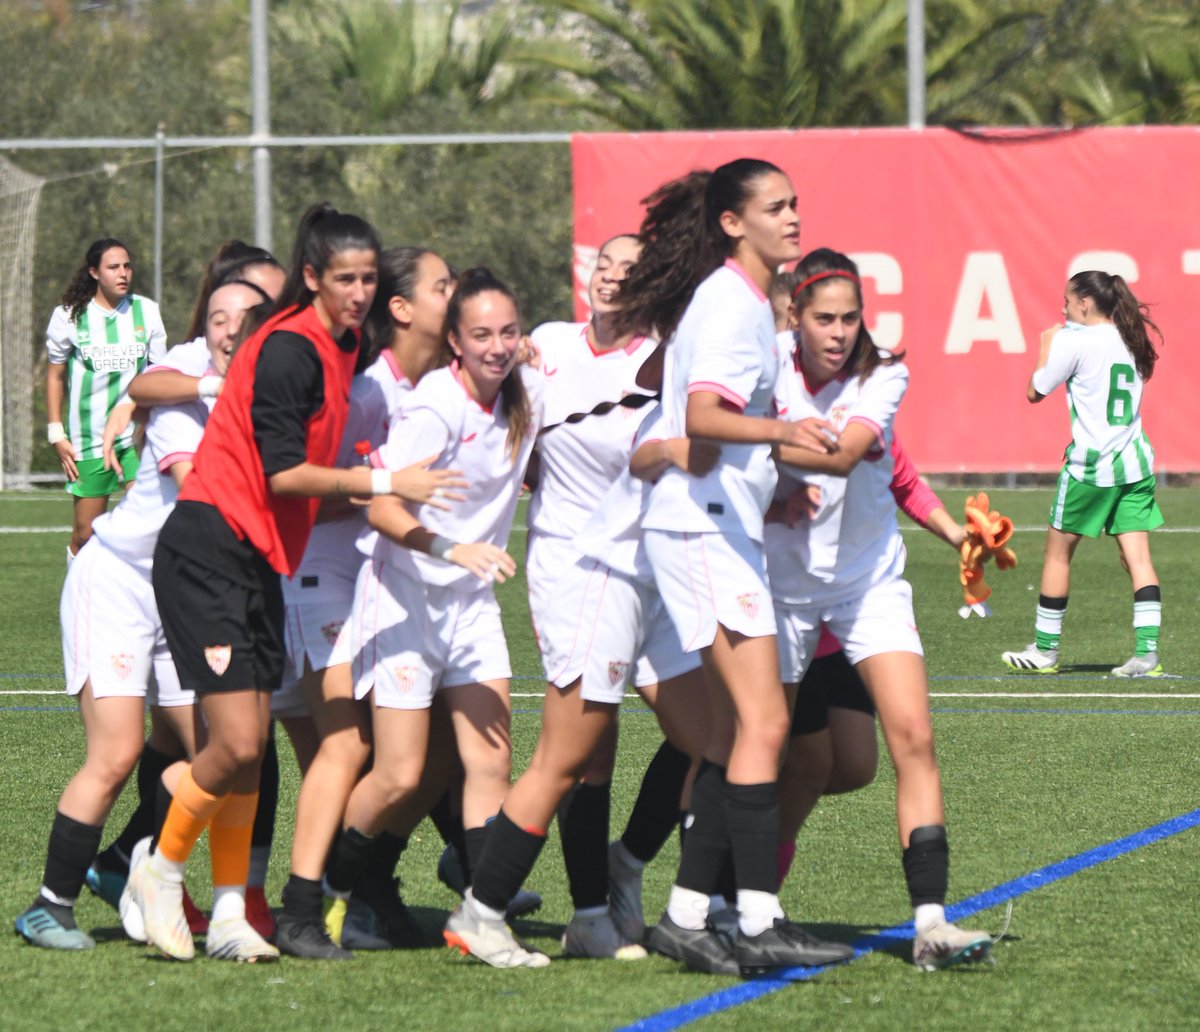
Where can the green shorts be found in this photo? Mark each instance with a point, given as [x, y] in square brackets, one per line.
[97, 482]
[1080, 508]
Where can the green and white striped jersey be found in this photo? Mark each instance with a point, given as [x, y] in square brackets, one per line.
[1104, 394]
[103, 351]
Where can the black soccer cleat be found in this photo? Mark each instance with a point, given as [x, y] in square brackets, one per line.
[704, 950]
[786, 944]
[306, 938]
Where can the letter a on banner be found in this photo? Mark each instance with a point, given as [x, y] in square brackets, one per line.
[984, 279]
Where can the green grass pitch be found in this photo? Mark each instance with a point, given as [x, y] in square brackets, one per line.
[1035, 770]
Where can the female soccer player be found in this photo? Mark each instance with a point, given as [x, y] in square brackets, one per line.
[712, 242]
[844, 567]
[425, 614]
[1104, 355]
[113, 646]
[405, 326]
[244, 517]
[98, 339]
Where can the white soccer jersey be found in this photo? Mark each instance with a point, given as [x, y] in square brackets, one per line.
[853, 541]
[580, 461]
[725, 344]
[440, 417]
[103, 350]
[130, 530]
[1104, 395]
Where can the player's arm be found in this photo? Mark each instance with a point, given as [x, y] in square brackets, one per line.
[56, 391]
[1031, 392]
[652, 458]
[714, 417]
[160, 386]
[856, 441]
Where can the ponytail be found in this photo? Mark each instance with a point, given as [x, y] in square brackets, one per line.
[231, 258]
[1114, 299]
[323, 233]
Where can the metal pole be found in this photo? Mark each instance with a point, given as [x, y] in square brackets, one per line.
[916, 64]
[160, 140]
[261, 105]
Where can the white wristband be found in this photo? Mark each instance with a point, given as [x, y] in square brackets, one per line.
[381, 481]
[441, 547]
[209, 386]
[55, 433]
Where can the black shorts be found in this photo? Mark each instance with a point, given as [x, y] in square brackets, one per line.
[225, 635]
[830, 681]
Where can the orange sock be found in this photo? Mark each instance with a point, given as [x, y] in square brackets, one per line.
[229, 839]
[191, 811]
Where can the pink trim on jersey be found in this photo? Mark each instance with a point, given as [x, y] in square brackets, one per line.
[719, 389]
[741, 271]
[815, 388]
[394, 365]
[876, 453]
[167, 461]
[454, 367]
[628, 349]
[916, 498]
[375, 460]
[827, 644]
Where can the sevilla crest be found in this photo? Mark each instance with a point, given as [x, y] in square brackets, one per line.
[332, 630]
[122, 664]
[406, 677]
[217, 657]
[749, 604]
[616, 672]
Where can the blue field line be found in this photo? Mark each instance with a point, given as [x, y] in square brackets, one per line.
[747, 992]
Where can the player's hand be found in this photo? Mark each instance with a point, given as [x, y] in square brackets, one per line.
[488, 563]
[695, 457]
[529, 354]
[434, 487]
[117, 423]
[65, 451]
[1047, 337]
[812, 433]
[802, 505]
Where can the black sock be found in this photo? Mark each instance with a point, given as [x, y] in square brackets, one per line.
[141, 823]
[752, 812]
[475, 840]
[302, 898]
[656, 809]
[707, 843]
[927, 864]
[268, 796]
[507, 859]
[381, 863]
[682, 818]
[583, 827]
[347, 859]
[73, 847]
[449, 824]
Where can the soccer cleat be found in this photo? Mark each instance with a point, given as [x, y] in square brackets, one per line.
[945, 944]
[450, 873]
[703, 950]
[489, 940]
[235, 939]
[39, 927]
[258, 912]
[106, 884]
[1032, 660]
[159, 897]
[1140, 666]
[625, 895]
[786, 944]
[597, 936]
[379, 920]
[197, 919]
[333, 908]
[307, 939]
[127, 907]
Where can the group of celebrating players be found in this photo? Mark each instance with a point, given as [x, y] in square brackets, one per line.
[328, 479]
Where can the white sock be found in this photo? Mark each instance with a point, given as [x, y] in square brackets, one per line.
[484, 911]
[168, 870]
[757, 911]
[687, 908]
[53, 897]
[628, 859]
[229, 902]
[926, 915]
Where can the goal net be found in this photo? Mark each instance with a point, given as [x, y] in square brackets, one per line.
[19, 196]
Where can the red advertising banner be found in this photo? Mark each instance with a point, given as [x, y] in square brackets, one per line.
[965, 244]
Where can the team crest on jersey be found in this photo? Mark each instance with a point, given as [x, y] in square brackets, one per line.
[217, 657]
[122, 664]
[332, 630]
[837, 416]
[616, 672]
[749, 604]
[406, 678]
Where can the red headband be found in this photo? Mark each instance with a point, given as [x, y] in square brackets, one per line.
[817, 276]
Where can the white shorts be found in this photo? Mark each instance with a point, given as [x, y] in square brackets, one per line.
[881, 620]
[288, 701]
[708, 579]
[546, 560]
[112, 634]
[408, 638]
[603, 628]
[315, 628]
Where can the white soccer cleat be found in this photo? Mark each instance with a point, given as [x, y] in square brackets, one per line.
[945, 944]
[127, 907]
[1032, 660]
[597, 936]
[625, 895]
[1140, 666]
[236, 939]
[489, 940]
[158, 895]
